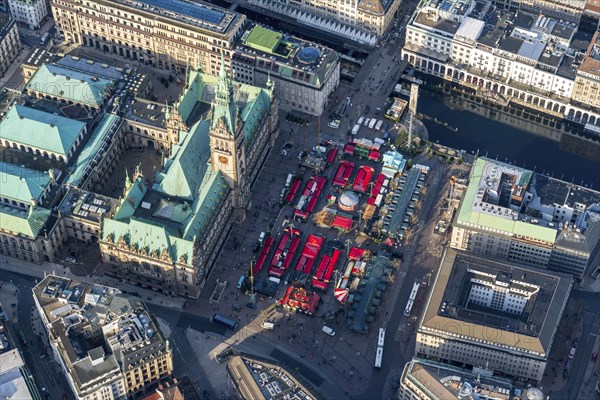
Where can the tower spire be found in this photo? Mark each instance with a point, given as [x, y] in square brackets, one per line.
[224, 106]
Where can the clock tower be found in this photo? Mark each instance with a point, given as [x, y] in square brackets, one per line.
[227, 142]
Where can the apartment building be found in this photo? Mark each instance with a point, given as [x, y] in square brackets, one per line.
[493, 316]
[304, 74]
[10, 42]
[429, 380]
[513, 56]
[202, 188]
[166, 34]
[511, 213]
[107, 344]
[29, 13]
[587, 81]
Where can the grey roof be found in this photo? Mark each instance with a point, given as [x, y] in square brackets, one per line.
[534, 332]
[511, 44]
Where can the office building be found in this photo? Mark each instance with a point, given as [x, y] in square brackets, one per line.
[304, 73]
[429, 380]
[587, 80]
[167, 230]
[29, 13]
[10, 42]
[567, 10]
[259, 380]
[170, 35]
[492, 315]
[375, 16]
[107, 343]
[511, 213]
[16, 383]
[510, 56]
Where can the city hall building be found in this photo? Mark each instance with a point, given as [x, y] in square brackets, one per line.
[166, 230]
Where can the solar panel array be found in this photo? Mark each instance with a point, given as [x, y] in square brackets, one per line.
[192, 10]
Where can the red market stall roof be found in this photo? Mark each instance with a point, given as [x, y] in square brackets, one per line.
[356, 253]
[349, 149]
[278, 272]
[300, 214]
[342, 222]
[331, 155]
[374, 155]
[293, 190]
[312, 246]
[378, 185]
[301, 300]
[371, 201]
[363, 178]
[322, 267]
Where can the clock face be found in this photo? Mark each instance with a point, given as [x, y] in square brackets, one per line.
[223, 159]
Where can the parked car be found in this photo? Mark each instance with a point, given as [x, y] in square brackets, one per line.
[327, 330]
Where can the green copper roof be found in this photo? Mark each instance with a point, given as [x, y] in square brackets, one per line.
[23, 222]
[101, 135]
[22, 184]
[149, 236]
[209, 198]
[263, 39]
[132, 199]
[39, 129]
[71, 85]
[183, 171]
[468, 215]
[224, 107]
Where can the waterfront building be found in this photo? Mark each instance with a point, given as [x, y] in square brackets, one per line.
[29, 13]
[507, 56]
[375, 16]
[106, 343]
[10, 42]
[166, 232]
[429, 380]
[166, 34]
[587, 80]
[511, 213]
[492, 315]
[304, 73]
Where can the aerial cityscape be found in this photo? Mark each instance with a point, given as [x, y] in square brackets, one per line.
[299, 199]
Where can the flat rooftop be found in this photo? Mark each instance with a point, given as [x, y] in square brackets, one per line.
[448, 382]
[87, 205]
[147, 112]
[200, 14]
[294, 57]
[258, 379]
[591, 62]
[532, 331]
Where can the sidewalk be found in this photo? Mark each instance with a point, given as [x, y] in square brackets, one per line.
[590, 378]
[47, 268]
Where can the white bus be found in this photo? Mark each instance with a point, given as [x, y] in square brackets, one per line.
[381, 338]
[411, 300]
[378, 126]
[378, 357]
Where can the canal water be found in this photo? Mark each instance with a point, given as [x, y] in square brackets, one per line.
[514, 135]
